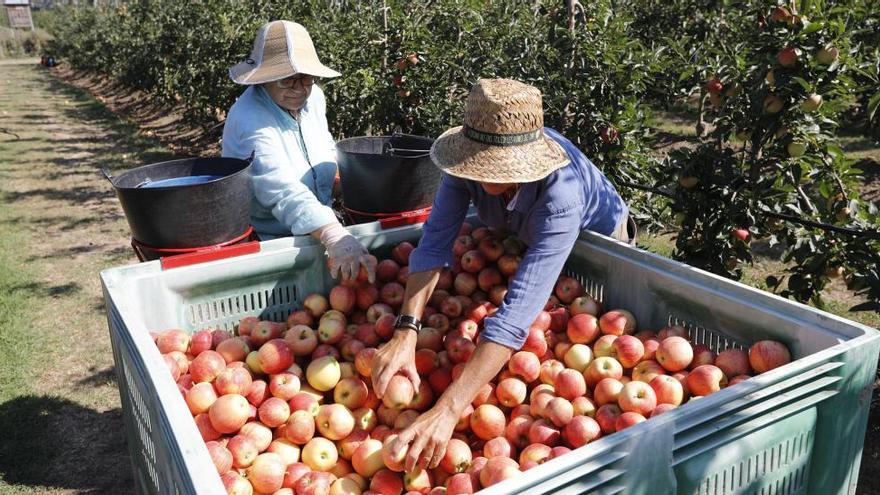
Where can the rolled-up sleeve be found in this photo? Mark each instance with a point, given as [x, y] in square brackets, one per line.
[554, 234]
[447, 215]
[276, 186]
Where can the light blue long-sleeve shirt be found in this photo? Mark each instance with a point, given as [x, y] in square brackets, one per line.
[547, 215]
[292, 187]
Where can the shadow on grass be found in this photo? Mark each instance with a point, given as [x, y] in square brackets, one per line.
[42, 289]
[99, 378]
[51, 442]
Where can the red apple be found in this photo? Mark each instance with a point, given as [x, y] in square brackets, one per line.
[334, 421]
[243, 450]
[601, 368]
[401, 253]
[674, 353]
[229, 413]
[766, 355]
[488, 422]
[473, 261]
[525, 365]
[627, 419]
[607, 416]
[200, 397]
[386, 482]
[706, 379]
[465, 283]
[301, 340]
[550, 369]
[617, 322]
[508, 264]
[628, 350]
[637, 397]
[607, 391]
[399, 393]
[314, 483]
[583, 328]
[233, 381]
[491, 249]
[511, 392]
[234, 349]
[173, 340]
[300, 317]
[570, 384]
[733, 362]
[266, 474]
[220, 455]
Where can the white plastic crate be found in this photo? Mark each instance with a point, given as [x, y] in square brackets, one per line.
[765, 435]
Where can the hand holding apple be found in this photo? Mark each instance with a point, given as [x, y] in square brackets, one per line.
[398, 356]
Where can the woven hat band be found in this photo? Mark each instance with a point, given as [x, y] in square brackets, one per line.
[501, 139]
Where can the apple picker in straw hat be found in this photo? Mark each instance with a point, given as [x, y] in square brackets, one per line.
[282, 49]
[280, 121]
[527, 180]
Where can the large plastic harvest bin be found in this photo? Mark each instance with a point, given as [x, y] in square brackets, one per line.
[797, 429]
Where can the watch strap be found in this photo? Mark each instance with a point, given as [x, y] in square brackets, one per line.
[407, 321]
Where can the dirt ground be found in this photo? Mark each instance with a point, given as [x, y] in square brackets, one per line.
[64, 433]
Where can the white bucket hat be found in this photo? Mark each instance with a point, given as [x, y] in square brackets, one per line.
[282, 49]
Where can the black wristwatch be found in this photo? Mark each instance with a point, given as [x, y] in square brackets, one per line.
[406, 321]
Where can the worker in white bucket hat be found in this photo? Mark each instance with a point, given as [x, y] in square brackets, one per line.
[281, 121]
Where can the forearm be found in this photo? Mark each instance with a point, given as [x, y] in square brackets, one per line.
[419, 288]
[486, 362]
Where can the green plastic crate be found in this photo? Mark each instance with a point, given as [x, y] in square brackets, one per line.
[798, 429]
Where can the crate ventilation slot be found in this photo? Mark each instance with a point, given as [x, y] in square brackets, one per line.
[225, 312]
[594, 289]
[746, 476]
[142, 423]
[716, 341]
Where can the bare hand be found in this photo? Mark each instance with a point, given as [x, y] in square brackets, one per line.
[397, 356]
[427, 437]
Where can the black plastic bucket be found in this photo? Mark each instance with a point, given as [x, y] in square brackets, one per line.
[387, 174]
[186, 203]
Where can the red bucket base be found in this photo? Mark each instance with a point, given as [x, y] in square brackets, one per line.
[390, 220]
[149, 253]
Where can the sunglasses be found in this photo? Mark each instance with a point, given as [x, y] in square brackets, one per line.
[305, 81]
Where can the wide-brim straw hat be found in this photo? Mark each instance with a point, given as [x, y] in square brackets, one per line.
[282, 49]
[502, 139]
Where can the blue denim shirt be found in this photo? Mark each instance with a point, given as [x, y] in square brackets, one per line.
[547, 215]
[294, 162]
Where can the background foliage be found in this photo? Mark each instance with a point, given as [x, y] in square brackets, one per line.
[408, 65]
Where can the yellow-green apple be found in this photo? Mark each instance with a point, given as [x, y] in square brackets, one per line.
[345, 486]
[274, 412]
[604, 345]
[773, 104]
[580, 431]
[288, 451]
[584, 407]
[316, 305]
[811, 103]
[647, 370]
[229, 413]
[766, 355]
[253, 363]
[365, 418]
[674, 353]
[796, 149]
[320, 454]
[706, 379]
[323, 373]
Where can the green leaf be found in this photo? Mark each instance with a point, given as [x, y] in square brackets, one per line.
[873, 105]
[804, 84]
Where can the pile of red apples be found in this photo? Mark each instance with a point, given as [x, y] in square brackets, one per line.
[288, 408]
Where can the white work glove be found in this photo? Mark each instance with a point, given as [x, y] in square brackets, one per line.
[346, 254]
